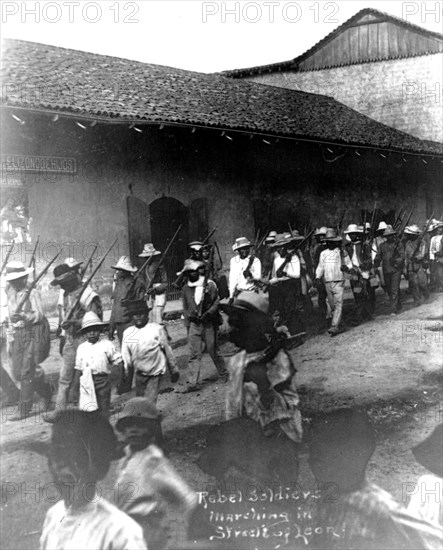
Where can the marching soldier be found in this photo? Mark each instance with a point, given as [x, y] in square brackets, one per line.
[156, 281]
[125, 289]
[415, 256]
[390, 256]
[89, 301]
[316, 250]
[200, 310]
[22, 340]
[332, 265]
[244, 268]
[436, 257]
[360, 255]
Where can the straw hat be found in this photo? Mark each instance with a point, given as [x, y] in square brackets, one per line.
[124, 264]
[412, 230]
[241, 242]
[72, 263]
[196, 245]
[62, 274]
[249, 301]
[17, 270]
[389, 231]
[271, 237]
[382, 226]
[91, 319]
[331, 235]
[148, 250]
[320, 231]
[353, 228]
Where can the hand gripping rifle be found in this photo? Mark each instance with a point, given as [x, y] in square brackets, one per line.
[257, 245]
[290, 255]
[8, 254]
[162, 259]
[34, 283]
[86, 284]
[205, 282]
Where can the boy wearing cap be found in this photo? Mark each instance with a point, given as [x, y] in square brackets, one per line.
[200, 311]
[146, 350]
[332, 263]
[82, 447]
[146, 468]
[89, 301]
[261, 383]
[125, 288]
[93, 363]
[21, 336]
[244, 269]
[390, 256]
[156, 279]
[415, 256]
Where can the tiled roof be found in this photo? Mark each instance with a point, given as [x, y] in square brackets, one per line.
[294, 64]
[47, 78]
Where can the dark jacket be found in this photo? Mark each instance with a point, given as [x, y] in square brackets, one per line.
[211, 301]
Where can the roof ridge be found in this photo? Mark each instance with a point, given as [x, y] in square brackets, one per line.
[328, 37]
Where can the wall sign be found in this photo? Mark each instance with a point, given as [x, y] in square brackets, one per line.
[33, 163]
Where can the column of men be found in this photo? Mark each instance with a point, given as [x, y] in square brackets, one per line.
[288, 267]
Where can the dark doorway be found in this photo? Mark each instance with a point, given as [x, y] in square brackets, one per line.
[166, 215]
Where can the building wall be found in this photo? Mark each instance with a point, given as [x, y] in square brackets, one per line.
[403, 93]
[248, 184]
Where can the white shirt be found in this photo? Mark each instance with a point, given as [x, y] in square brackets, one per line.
[427, 502]
[98, 357]
[292, 269]
[236, 277]
[434, 246]
[145, 348]
[329, 265]
[98, 526]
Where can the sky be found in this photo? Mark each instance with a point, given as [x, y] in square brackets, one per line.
[204, 36]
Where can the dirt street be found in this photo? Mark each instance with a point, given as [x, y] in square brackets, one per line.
[391, 367]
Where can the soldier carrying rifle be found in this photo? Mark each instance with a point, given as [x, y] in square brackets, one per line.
[25, 339]
[78, 299]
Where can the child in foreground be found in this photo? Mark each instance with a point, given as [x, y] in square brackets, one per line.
[145, 467]
[82, 447]
[93, 363]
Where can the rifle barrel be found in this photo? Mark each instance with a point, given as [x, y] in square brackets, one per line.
[5, 261]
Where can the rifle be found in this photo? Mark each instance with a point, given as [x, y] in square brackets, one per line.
[8, 254]
[209, 235]
[399, 218]
[339, 224]
[138, 273]
[421, 237]
[31, 287]
[89, 262]
[372, 228]
[257, 245]
[34, 252]
[401, 229]
[205, 282]
[162, 259]
[86, 283]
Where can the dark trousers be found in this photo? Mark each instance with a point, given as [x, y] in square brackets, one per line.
[418, 285]
[361, 292]
[102, 386]
[21, 354]
[392, 285]
[285, 297]
[322, 297]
